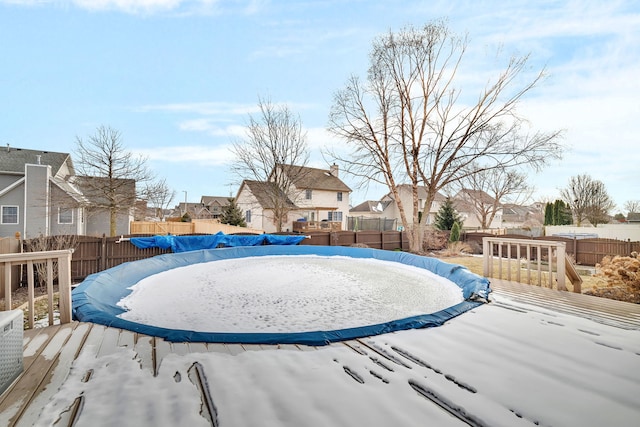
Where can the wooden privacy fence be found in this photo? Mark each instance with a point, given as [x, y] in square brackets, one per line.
[583, 251]
[536, 259]
[196, 226]
[95, 254]
[61, 261]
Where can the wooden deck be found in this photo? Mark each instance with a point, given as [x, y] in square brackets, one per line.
[49, 352]
[610, 312]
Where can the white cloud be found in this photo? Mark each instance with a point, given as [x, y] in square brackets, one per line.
[218, 155]
[202, 108]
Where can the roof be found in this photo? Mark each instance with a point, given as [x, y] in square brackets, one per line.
[210, 200]
[371, 206]
[633, 217]
[422, 192]
[261, 191]
[475, 195]
[316, 179]
[12, 160]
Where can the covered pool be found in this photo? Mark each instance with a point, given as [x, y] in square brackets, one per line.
[99, 298]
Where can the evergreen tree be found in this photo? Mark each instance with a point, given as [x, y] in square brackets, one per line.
[232, 215]
[455, 232]
[447, 216]
[548, 214]
[561, 213]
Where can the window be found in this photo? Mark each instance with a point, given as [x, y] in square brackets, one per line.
[339, 196]
[247, 216]
[65, 216]
[9, 215]
[335, 216]
[308, 194]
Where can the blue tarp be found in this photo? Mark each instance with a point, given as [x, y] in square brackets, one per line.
[95, 299]
[212, 241]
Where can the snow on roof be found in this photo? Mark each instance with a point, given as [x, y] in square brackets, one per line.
[506, 363]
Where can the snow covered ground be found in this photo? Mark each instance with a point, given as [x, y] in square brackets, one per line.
[287, 294]
[501, 364]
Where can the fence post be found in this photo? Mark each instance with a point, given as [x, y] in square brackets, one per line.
[103, 253]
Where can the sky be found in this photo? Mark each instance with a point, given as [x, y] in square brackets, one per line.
[179, 78]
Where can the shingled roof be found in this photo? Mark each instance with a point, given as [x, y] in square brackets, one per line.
[12, 160]
[316, 179]
[261, 191]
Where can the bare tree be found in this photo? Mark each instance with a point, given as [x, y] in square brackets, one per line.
[274, 150]
[407, 121]
[488, 189]
[108, 172]
[588, 200]
[632, 206]
[159, 196]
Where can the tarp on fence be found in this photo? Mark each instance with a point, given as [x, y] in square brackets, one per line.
[212, 241]
[95, 299]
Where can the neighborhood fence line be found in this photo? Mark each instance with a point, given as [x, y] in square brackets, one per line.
[95, 254]
[583, 251]
[196, 226]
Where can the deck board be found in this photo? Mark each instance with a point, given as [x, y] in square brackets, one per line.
[611, 312]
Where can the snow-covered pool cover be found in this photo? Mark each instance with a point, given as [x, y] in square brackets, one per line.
[106, 297]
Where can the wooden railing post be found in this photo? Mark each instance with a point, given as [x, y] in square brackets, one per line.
[487, 255]
[7, 286]
[64, 286]
[560, 266]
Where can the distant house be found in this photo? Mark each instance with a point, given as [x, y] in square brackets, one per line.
[372, 215]
[215, 205]
[100, 202]
[209, 207]
[633, 217]
[41, 195]
[518, 216]
[317, 195]
[391, 209]
[472, 205]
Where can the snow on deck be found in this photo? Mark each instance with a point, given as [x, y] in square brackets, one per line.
[507, 363]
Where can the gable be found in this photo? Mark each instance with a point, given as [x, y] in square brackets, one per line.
[260, 191]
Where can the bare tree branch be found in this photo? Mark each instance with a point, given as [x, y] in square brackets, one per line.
[274, 150]
[108, 173]
[407, 123]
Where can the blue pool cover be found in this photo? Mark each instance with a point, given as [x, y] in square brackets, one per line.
[95, 300]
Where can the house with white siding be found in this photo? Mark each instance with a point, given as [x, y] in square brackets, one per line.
[317, 197]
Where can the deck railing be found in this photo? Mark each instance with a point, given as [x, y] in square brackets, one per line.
[534, 258]
[61, 258]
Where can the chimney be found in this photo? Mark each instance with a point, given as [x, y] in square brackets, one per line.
[38, 156]
[333, 170]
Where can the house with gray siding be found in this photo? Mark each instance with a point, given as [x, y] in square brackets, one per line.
[40, 195]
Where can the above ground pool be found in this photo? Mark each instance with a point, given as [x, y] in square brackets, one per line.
[272, 294]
